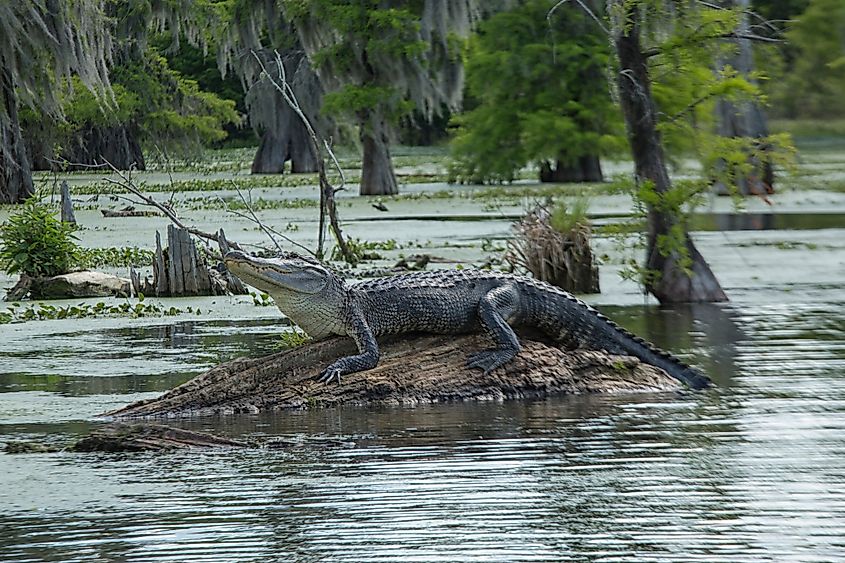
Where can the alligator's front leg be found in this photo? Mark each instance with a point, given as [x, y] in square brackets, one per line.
[367, 346]
[495, 308]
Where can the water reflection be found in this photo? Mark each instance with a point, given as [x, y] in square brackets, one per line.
[752, 470]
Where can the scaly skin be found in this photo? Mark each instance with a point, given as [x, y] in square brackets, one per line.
[440, 302]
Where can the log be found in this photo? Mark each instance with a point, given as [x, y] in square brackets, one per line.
[148, 437]
[413, 370]
[128, 212]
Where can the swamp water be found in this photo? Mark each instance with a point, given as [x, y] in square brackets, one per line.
[751, 470]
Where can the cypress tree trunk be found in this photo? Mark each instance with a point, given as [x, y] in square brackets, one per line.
[377, 176]
[271, 155]
[15, 170]
[745, 119]
[586, 169]
[284, 139]
[672, 284]
[116, 144]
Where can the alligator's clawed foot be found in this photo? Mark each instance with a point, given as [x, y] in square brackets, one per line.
[328, 375]
[488, 360]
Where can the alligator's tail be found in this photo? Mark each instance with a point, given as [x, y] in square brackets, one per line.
[623, 342]
[597, 331]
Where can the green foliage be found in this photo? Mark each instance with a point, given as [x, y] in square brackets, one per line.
[686, 89]
[567, 218]
[363, 250]
[158, 105]
[540, 91]
[291, 339]
[175, 114]
[35, 243]
[368, 39]
[814, 80]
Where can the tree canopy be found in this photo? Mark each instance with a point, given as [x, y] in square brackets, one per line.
[43, 42]
[540, 96]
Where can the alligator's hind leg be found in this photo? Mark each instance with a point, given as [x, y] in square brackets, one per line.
[495, 309]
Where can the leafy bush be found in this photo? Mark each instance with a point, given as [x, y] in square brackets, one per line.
[35, 243]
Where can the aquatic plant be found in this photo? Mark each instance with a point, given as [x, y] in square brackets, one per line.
[554, 245]
[124, 256]
[17, 313]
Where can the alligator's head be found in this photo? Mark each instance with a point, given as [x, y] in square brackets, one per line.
[302, 288]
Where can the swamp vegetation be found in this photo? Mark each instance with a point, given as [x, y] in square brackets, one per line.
[517, 105]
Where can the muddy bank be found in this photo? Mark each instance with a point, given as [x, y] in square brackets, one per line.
[412, 370]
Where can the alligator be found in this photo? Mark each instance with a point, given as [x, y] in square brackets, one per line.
[322, 304]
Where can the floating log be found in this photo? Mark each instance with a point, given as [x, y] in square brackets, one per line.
[128, 212]
[150, 436]
[146, 437]
[413, 370]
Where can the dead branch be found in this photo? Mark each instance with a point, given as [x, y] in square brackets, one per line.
[269, 231]
[327, 191]
[126, 183]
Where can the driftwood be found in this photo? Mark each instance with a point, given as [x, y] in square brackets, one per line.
[75, 284]
[146, 437]
[413, 370]
[119, 437]
[150, 436]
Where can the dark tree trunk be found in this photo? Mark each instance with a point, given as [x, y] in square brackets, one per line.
[586, 169]
[116, 144]
[270, 157]
[15, 170]
[377, 176]
[91, 145]
[286, 140]
[745, 119]
[671, 284]
[283, 135]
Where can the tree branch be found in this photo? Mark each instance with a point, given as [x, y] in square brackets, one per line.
[127, 184]
[327, 191]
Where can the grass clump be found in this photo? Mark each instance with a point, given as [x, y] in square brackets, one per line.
[554, 245]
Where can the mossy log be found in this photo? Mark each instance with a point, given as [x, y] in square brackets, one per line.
[412, 370]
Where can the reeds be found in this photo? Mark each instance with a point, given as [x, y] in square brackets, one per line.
[554, 246]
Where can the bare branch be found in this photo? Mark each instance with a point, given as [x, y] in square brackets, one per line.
[327, 203]
[127, 184]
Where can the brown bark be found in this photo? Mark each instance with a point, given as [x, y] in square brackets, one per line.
[377, 175]
[671, 284]
[586, 169]
[15, 170]
[412, 370]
